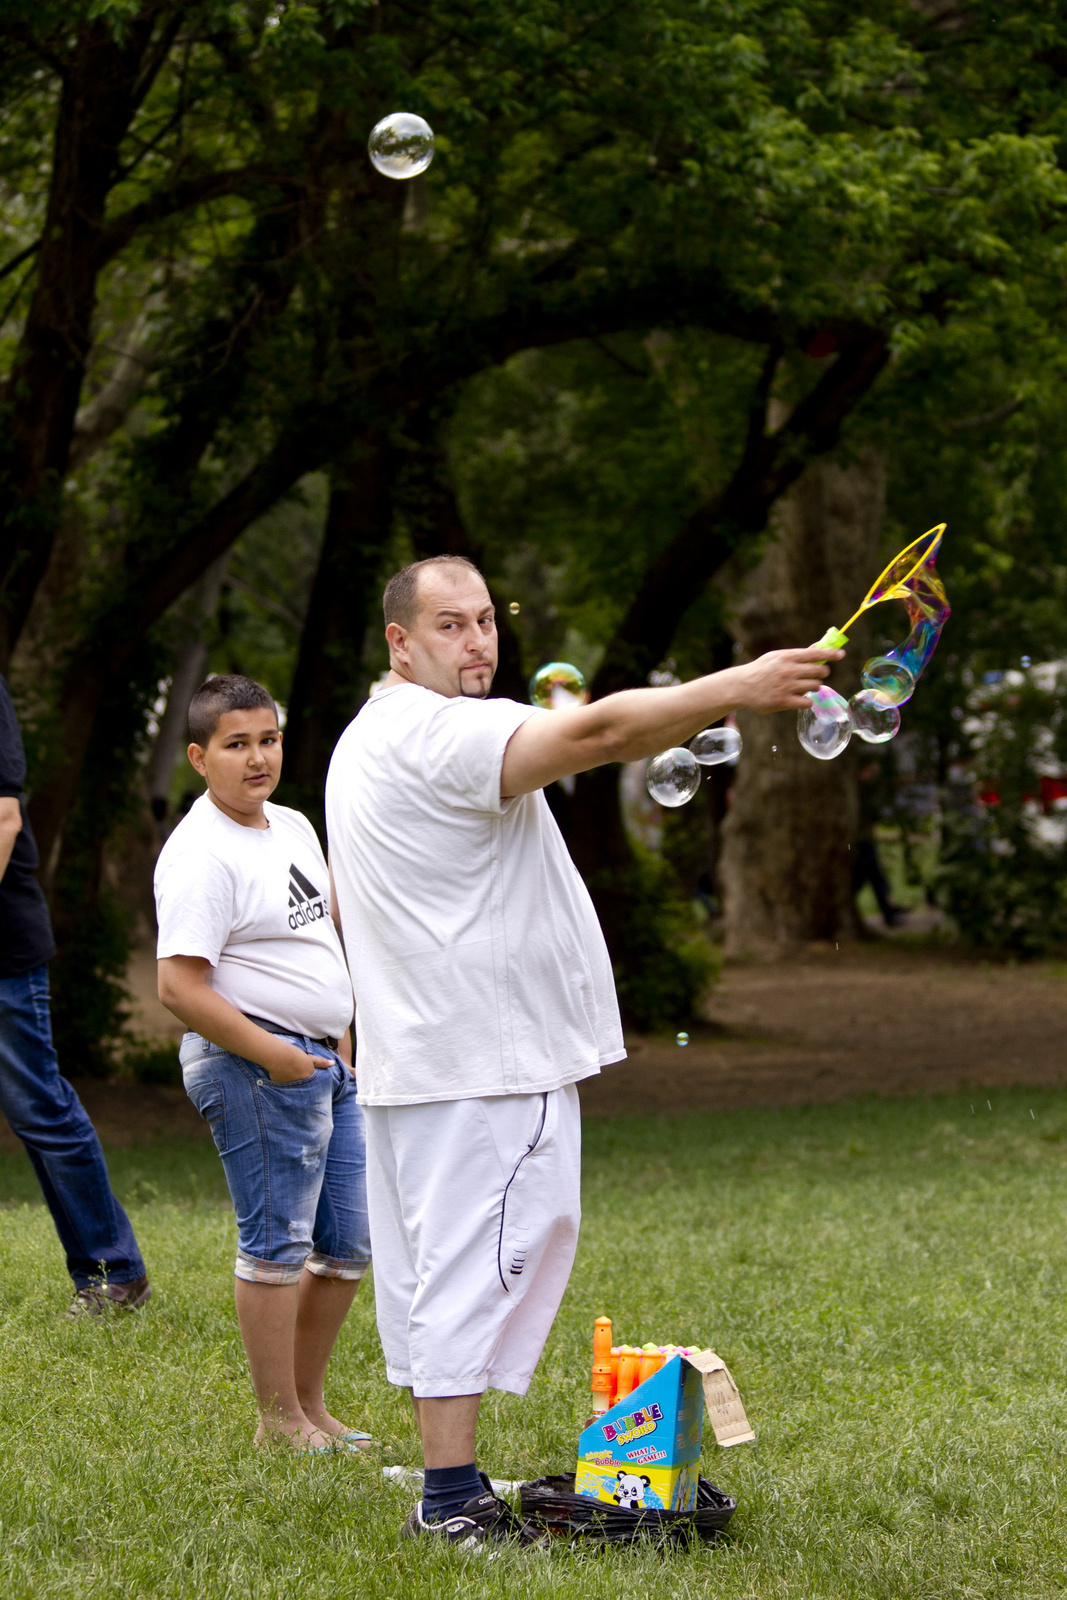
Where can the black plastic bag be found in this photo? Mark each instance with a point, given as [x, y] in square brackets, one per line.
[552, 1503]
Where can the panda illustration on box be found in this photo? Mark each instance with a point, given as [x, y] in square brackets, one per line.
[635, 1493]
[630, 1490]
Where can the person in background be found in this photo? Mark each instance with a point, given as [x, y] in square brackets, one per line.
[250, 961]
[102, 1254]
[866, 862]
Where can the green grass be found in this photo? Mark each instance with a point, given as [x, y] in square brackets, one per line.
[886, 1281]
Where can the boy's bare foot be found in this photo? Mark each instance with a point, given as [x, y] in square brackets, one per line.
[299, 1436]
[330, 1425]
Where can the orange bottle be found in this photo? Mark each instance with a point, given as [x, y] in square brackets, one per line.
[629, 1361]
[650, 1362]
[604, 1364]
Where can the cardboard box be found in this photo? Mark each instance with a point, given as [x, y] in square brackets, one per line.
[645, 1451]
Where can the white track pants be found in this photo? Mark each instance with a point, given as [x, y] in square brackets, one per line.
[474, 1209]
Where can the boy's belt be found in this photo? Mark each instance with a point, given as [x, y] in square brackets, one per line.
[275, 1027]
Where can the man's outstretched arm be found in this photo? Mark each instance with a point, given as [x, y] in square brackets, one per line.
[641, 722]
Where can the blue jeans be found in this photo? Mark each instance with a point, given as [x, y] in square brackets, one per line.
[295, 1160]
[60, 1141]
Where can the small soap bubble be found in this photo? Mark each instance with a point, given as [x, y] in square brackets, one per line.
[1026, 661]
[401, 145]
[716, 745]
[682, 1039]
[514, 608]
[557, 687]
[825, 728]
[874, 717]
[888, 677]
[673, 777]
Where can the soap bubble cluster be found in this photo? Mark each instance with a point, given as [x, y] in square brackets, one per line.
[401, 145]
[673, 777]
[824, 727]
[874, 718]
[888, 677]
[557, 687]
[715, 746]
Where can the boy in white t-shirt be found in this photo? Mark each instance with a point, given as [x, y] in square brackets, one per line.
[250, 961]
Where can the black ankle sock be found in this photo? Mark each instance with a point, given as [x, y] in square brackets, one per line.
[446, 1490]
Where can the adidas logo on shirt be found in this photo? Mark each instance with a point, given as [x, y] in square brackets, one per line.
[307, 902]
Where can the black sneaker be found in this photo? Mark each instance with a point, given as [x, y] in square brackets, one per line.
[484, 1520]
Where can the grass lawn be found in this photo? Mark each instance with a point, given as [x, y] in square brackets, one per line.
[886, 1281]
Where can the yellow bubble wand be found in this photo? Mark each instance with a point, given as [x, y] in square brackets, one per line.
[895, 583]
[889, 680]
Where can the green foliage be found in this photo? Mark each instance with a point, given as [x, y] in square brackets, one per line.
[1003, 891]
[151, 1061]
[664, 963]
[737, 176]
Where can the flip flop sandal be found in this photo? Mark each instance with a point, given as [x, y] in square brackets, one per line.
[354, 1439]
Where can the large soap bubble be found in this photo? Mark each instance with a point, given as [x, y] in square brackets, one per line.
[557, 687]
[889, 678]
[825, 727]
[716, 745]
[874, 718]
[674, 777]
[401, 145]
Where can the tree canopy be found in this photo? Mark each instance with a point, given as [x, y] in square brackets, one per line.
[669, 254]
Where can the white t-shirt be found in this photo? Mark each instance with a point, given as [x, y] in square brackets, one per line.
[255, 902]
[477, 958]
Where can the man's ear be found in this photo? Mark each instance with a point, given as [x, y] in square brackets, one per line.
[196, 759]
[396, 639]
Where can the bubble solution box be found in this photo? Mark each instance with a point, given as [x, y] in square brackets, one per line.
[645, 1451]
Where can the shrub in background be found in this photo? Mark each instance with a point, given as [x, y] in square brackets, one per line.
[664, 964]
[1003, 868]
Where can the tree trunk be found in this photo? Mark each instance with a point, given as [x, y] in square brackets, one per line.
[106, 78]
[786, 863]
[435, 522]
[772, 461]
[187, 676]
[330, 681]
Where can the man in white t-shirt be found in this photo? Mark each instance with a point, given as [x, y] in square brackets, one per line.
[484, 994]
[251, 962]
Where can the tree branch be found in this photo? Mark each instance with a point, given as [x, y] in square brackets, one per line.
[769, 464]
[116, 235]
[16, 261]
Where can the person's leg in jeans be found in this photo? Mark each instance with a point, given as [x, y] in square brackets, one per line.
[275, 1140]
[102, 1254]
[339, 1259]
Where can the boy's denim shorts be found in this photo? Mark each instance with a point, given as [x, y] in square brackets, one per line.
[294, 1155]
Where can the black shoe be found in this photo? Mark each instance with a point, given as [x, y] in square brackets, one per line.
[484, 1520]
[97, 1299]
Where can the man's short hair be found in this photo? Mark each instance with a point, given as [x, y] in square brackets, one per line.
[400, 602]
[228, 692]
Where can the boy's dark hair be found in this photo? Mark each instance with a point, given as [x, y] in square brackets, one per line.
[228, 692]
[400, 602]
